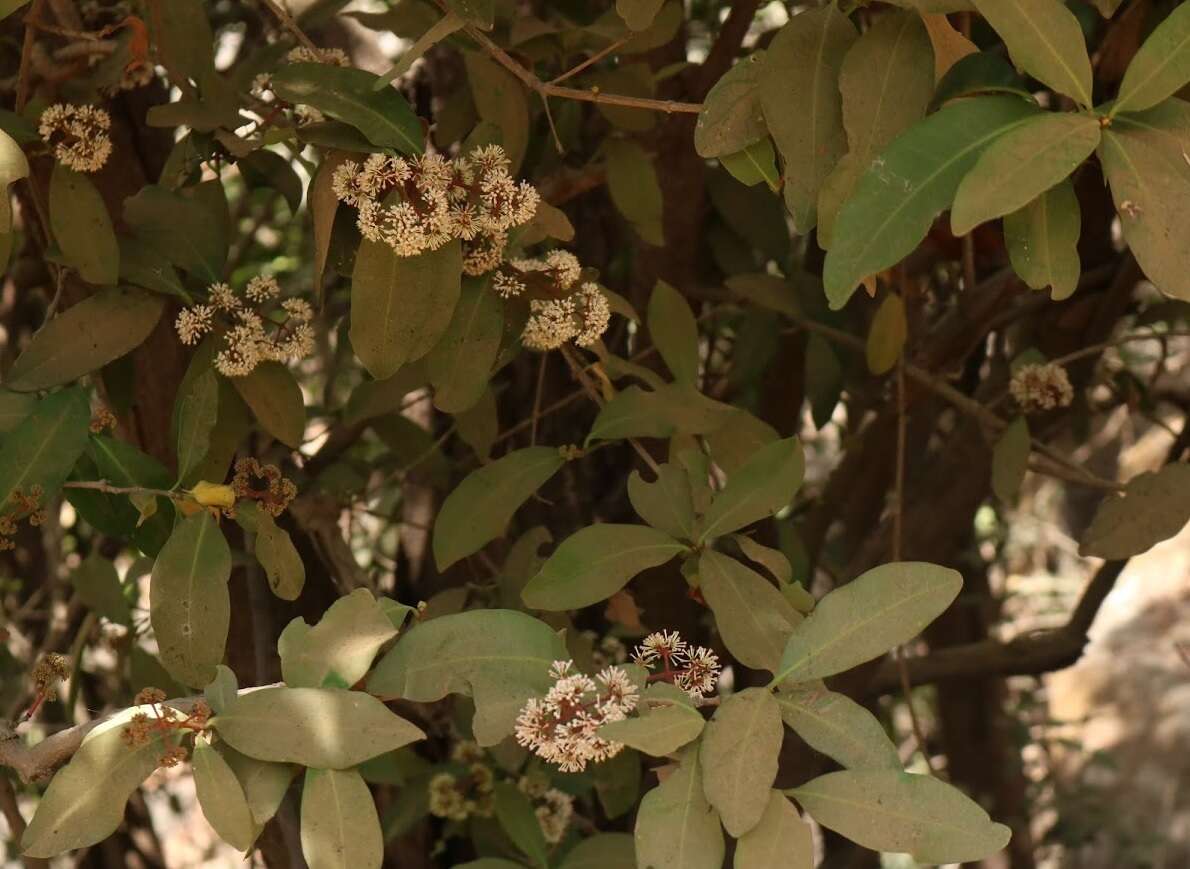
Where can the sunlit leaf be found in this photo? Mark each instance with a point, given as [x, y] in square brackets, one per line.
[275, 398]
[1045, 40]
[1154, 506]
[339, 825]
[343, 643]
[838, 727]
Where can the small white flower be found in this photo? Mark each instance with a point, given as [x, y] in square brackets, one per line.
[193, 323]
[1041, 387]
[78, 134]
[262, 288]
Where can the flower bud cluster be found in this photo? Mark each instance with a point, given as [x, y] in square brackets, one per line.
[1041, 387]
[263, 484]
[421, 203]
[562, 307]
[562, 728]
[78, 135]
[20, 506]
[554, 808]
[254, 327]
[164, 722]
[669, 658]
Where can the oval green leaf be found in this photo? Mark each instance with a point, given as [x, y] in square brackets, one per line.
[222, 798]
[835, 725]
[763, 486]
[676, 828]
[781, 838]
[340, 827]
[1045, 40]
[275, 398]
[738, 755]
[1160, 68]
[1042, 240]
[753, 617]
[82, 227]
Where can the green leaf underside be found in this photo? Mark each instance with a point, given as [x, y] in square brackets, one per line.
[738, 755]
[676, 828]
[339, 825]
[663, 731]
[752, 616]
[343, 643]
[835, 725]
[908, 185]
[781, 838]
[895, 811]
[479, 509]
[1154, 506]
[596, 562]
[863, 619]
[325, 728]
[500, 658]
[222, 798]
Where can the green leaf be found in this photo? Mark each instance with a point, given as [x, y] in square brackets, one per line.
[1021, 165]
[762, 487]
[634, 188]
[674, 332]
[781, 838]
[773, 560]
[981, 72]
[1154, 506]
[731, 118]
[190, 607]
[756, 163]
[181, 230]
[638, 14]
[799, 93]
[738, 755]
[676, 828]
[1160, 68]
[502, 100]
[835, 725]
[85, 337]
[480, 508]
[753, 617]
[43, 448]
[908, 185]
[401, 306]
[122, 464]
[85, 800]
[882, 608]
[15, 407]
[461, 363]
[343, 644]
[500, 658]
[142, 267]
[1042, 240]
[886, 81]
[197, 415]
[349, 95]
[264, 783]
[659, 413]
[323, 205]
[184, 40]
[1010, 460]
[221, 797]
[339, 825]
[479, 425]
[768, 291]
[275, 398]
[659, 733]
[602, 851]
[221, 692]
[1144, 160]
[1045, 40]
[515, 815]
[824, 379]
[596, 562]
[278, 556]
[667, 503]
[265, 168]
[886, 337]
[886, 810]
[326, 728]
[82, 226]
[98, 586]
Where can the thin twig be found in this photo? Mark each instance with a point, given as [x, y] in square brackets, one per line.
[537, 400]
[105, 486]
[27, 55]
[593, 59]
[591, 391]
[283, 16]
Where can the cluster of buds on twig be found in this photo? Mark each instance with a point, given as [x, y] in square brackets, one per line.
[562, 728]
[20, 506]
[459, 795]
[47, 673]
[262, 85]
[422, 203]
[1041, 387]
[554, 808]
[165, 722]
[263, 484]
[255, 327]
[669, 658]
[78, 135]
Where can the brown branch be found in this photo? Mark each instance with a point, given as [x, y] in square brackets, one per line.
[1029, 655]
[289, 24]
[23, 75]
[727, 44]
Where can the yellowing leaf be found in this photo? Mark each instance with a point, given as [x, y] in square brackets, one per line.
[886, 337]
[325, 728]
[886, 810]
[738, 755]
[500, 658]
[1042, 240]
[1021, 165]
[884, 607]
[1045, 40]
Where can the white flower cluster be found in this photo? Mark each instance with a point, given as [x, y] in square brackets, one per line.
[562, 728]
[254, 328]
[581, 317]
[694, 669]
[1041, 387]
[458, 797]
[554, 808]
[79, 135]
[419, 204]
